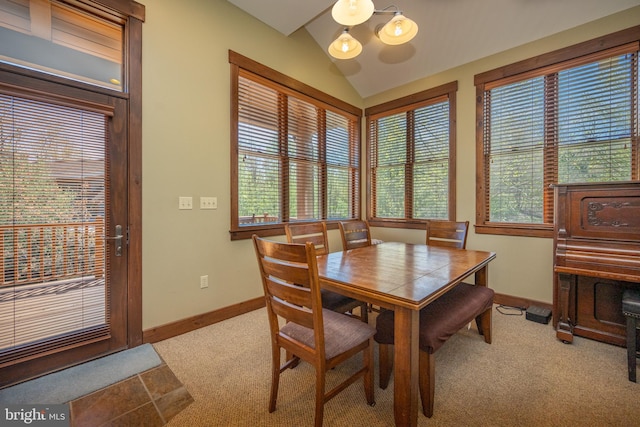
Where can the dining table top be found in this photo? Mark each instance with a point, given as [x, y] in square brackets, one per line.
[392, 274]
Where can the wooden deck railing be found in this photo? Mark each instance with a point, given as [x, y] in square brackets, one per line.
[257, 219]
[37, 253]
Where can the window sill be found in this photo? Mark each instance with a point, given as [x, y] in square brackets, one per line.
[269, 230]
[523, 230]
[396, 223]
[262, 231]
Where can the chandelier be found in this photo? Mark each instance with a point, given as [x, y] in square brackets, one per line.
[350, 13]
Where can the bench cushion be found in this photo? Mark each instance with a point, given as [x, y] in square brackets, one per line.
[631, 303]
[443, 317]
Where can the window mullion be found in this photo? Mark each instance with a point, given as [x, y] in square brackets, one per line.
[550, 163]
[321, 120]
[373, 167]
[285, 164]
[409, 165]
[486, 153]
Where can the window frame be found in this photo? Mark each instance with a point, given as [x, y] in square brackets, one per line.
[544, 64]
[411, 103]
[284, 85]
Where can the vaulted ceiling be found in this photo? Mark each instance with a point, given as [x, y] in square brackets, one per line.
[451, 32]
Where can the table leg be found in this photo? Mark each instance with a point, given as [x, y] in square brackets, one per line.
[406, 366]
[482, 276]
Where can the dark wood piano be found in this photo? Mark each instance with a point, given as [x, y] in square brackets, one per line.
[596, 257]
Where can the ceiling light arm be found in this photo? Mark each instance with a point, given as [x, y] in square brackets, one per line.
[350, 13]
[385, 11]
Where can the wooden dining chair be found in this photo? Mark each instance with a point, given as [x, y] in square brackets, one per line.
[452, 234]
[439, 320]
[300, 325]
[356, 234]
[316, 233]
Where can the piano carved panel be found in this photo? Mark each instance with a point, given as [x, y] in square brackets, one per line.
[596, 257]
[613, 215]
[619, 213]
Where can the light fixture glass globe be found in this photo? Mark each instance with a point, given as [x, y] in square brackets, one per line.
[398, 30]
[345, 46]
[352, 12]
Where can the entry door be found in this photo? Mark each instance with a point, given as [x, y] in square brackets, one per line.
[63, 227]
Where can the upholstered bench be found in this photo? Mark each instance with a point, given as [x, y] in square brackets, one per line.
[631, 310]
[438, 322]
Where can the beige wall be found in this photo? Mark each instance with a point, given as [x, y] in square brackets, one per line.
[186, 153]
[186, 148]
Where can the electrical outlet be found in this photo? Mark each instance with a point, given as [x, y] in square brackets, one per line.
[208, 203]
[185, 202]
[204, 282]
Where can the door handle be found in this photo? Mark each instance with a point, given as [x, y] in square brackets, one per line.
[117, 239]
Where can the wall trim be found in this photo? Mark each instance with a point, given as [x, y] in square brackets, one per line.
[189, 324]
[524, 303]
[183, 326]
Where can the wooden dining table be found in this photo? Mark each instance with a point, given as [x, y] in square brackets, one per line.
[403, 277]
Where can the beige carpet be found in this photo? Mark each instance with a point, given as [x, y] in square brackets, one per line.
[526, 377]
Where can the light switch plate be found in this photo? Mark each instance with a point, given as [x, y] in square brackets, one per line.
[185, 202]
[208, 203]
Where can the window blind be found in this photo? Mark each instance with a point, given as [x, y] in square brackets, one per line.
[297, 157]
[410, 161]
[388, 165]
[259, 167]
[431, 162]
[516, 151]
[576, 122]
[52, 252]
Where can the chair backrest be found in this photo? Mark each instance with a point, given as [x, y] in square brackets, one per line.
[452, 234]
[355, 234]
[289, 273]
[314, 232]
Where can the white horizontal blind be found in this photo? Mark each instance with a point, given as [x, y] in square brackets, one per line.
[389, 158]
[303, 149]
[259, 166]
[516, 151]
[343, 167]
[52, 255]
[595, 121]
[431, 163]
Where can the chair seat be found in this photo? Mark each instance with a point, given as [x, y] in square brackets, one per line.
[341, 333]
[442, 318]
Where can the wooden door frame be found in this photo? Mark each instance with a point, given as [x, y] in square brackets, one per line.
[134, 13]
[134, 181]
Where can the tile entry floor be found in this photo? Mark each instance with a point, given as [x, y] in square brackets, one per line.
[148, 399]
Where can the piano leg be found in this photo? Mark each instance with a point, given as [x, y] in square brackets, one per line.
[564, 330]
